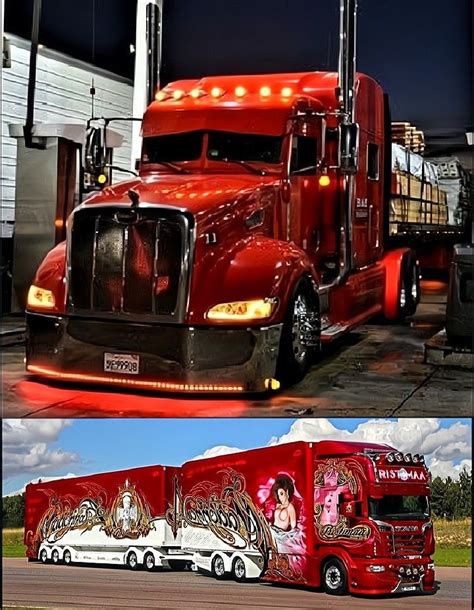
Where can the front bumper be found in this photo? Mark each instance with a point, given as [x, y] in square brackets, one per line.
[171, 358]
[391, 581]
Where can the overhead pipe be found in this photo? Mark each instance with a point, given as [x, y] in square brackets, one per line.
[30, 108]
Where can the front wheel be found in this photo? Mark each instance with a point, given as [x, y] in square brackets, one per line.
[300, 338]
[334, 577]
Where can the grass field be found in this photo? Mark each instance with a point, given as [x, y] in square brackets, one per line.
[453, 543]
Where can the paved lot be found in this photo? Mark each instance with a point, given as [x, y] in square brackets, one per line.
[376, 371]
[48, 586]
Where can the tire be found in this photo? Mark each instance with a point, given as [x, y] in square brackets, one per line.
[177, 565]
[149, 562]
[67, 558]
[239, 572]
[334, 577]
[132, 561]
[55, 556]
[300, 335]
[218, 568]
[409, 296]
[43, 556]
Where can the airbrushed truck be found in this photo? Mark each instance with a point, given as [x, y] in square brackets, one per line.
[255, 231]
[115, 518]
[343, 516]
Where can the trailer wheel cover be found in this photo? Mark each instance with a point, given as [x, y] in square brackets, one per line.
[238, 569]
[218, 567]
[67, 557]
[334, 577]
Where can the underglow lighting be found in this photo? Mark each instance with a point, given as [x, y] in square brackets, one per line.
[178, 94]
[240, 91]
[265, 91]
[217, 92]
[141, 383]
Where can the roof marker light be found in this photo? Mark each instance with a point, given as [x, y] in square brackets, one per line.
[178, 94]
[240, 91]
[286, 91]
[217, 92]
[265, 91]
[161, 95]
[196, 93]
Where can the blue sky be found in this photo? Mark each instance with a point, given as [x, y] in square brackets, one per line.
[96, 445]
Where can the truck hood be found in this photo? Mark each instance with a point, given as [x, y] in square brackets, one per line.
[195, 193]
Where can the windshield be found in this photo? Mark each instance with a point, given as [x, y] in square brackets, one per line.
[399, 507]
[221, 146]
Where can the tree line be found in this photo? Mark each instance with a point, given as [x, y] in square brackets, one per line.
[450, 499]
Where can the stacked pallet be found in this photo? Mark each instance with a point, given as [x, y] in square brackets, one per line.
[409, 136]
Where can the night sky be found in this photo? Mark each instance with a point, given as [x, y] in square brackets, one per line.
[420, 50]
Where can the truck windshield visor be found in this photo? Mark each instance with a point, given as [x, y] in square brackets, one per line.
[399, 507]
[173, 148]
[224, 146]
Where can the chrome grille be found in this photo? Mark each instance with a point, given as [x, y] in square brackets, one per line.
[128, 262]
[408, 543]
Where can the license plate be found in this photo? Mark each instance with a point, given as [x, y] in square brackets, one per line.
[121, 363]
[409, 588]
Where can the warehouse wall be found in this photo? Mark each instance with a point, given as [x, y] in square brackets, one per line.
[62, 96]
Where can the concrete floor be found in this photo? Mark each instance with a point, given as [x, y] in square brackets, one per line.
[377, 371]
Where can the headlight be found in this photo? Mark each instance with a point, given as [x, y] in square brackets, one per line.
[243, 310]
[40, 297]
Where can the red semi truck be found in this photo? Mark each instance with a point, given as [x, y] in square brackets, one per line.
[343, 516]
[115, 518]
[255, 231]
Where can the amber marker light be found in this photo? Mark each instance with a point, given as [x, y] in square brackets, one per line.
[40, 298]
[324, 180]
[217, 92]
[178, 94]
[196, 93]
[240, 91]
[265, 91]
[141, 383]
[242, 310]
[286, 91]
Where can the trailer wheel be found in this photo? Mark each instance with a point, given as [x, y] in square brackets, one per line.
[177, 565]
[67, 558]
[132, 561]
[218, 567]
[44, 556]
[55, 556]
[149, 562]
[300, 337]
[409, 296]
[334, 577]
[238, 570]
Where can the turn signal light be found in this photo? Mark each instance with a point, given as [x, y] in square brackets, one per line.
[242, 310]
[40, 298]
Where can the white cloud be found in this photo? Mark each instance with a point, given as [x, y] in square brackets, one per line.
[218, 450]
[26, 447]
[18, 492]
[447, 450]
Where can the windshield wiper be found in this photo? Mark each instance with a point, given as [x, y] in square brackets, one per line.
[176, 168]
[249, 166]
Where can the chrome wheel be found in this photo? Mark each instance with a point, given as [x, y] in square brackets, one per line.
[333, 577]
[55, 556]
[298, 328]
[239, 569]
[132, 561]
[150, 562]
[218, 566]
[44, 556]
[67, 557]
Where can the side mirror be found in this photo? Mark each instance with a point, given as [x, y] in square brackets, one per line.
[95, 150]
[349, 147]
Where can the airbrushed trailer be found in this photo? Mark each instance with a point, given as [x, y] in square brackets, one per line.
[344, 516]
[255, 231]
